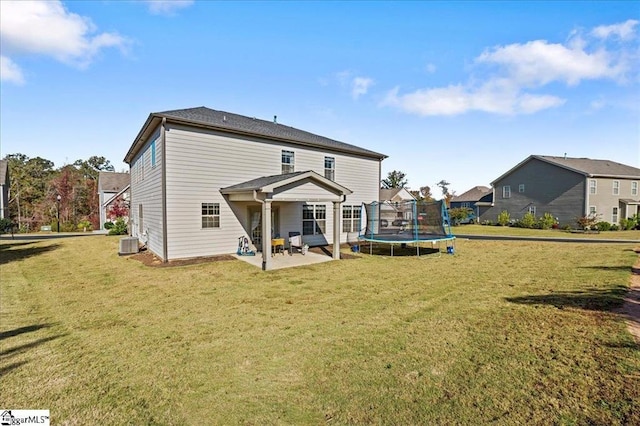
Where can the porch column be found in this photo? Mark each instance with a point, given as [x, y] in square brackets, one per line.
[337, 215]
[266, 235]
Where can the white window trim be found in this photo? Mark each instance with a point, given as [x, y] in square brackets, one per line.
[214, 206]
[317, 229]
[288, 167]
[331, 171]
[634, 188]
[593, 189]
[353, 221]
[521, 187]
[615, 189]
[506, 191]
[615, 214]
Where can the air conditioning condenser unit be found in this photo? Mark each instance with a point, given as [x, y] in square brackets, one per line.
[128, 245]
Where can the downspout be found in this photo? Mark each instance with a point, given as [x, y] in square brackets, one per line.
[165, 246]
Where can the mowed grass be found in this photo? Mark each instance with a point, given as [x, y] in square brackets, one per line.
[500, 332]
[544, 233]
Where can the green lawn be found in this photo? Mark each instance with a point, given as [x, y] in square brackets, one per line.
[500, 332]
[556, 233]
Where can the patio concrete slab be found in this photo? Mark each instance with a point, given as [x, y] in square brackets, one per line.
[280, 261]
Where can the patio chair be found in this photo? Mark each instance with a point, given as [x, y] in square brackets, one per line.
[295, 243]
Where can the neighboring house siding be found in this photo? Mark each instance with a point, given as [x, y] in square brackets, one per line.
[200, 162]
[605, 200]
[547, 187]
[146, 190]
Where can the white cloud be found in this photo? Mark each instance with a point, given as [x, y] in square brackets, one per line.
[507, 76]
[167, 7]
[624, 31]
[360, 86]
[10, 72]
[47, 28]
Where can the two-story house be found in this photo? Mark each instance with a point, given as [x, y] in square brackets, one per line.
[567, 188]
[111, 186]
[474, 199]
[201, 179]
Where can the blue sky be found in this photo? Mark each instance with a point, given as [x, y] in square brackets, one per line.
[460, 91]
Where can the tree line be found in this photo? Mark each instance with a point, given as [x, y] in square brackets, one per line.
[39, 193]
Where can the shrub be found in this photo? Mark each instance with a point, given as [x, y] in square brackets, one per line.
[603, 226]
[614, 227]
[119, 228]
[108, 225]
[547, 221]
[504, 218]
[487, 222]
[84, 226]
[587, 222]
[527, 221]
[5, 225]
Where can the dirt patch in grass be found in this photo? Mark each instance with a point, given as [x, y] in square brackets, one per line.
[149, 259]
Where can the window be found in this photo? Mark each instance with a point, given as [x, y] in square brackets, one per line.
[330, 168]
[153, 153]
[616, 187]
[465, 205]
[140, 221]
[614, 215]
[506, 191]
[593, 186]
[634, 188]
[287, 162]
[592, 210]
[314, 219]
[210, 215]
[532, 210]
[351, 218]
[521, 187]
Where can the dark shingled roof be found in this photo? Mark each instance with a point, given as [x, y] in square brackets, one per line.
[261, 182]
[112, 181]
[4, 171]
[474, 194]
[593, 167]
[239, 123]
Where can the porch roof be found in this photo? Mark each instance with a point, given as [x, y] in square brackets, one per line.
[628, 201]
[271, 184]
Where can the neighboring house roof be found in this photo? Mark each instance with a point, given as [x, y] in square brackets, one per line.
[4, 171]
[239, 124]
[116, 195]
[472, 195]
[269, 183]
[112, 181]
[391, 193]
[584, 166]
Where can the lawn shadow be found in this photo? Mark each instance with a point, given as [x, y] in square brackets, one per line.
[20, 330]
[8, 254]
[26, 346]
[6, 369]
[593, 299]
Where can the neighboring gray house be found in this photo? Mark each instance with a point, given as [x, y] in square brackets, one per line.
[567, 188]
[201, 179]
[474, 199]
[4, 189]
[111, 185]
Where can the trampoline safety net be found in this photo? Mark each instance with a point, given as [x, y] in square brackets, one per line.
[405, 221]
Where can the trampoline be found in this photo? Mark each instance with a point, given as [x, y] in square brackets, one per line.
[407, 223]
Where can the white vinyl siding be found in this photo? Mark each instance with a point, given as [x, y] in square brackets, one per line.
[200, 163]
[506, 191]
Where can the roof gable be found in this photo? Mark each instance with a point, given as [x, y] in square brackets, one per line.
[474, 194]
[271, 183]
[112, 181]
[240, 124]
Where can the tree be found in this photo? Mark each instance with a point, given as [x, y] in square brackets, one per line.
[92, 167]
[444, 187]
[395, 179]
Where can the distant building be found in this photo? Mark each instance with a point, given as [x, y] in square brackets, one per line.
[112, 187]
[478, 199]
[396, 194]
[567, 188]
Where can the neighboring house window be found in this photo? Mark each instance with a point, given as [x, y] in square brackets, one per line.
[616, 187]
[314, 219]
[593, 186]
[153, 154]
[330, 168]
[287, 162]
[614, 215]
[210, 215]
[351, 218]
[465, 205]
[532, 210]
[592, 210]
[506, 191]
[140, 221]
[634, 188]
[521, 187]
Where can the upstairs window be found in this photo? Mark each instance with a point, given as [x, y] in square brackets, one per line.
[616, 187]
[506, 191]
[521, 187]
[330, 168]
[634, 188]
[287, 162]
[210, 215]
[153, 154]
[593, 186]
